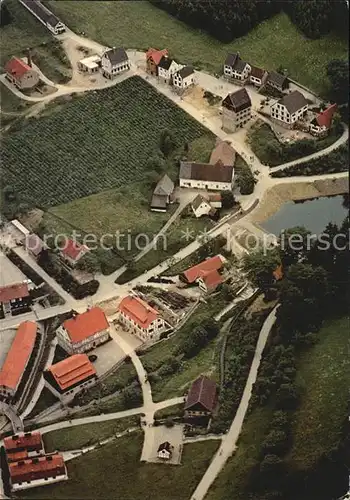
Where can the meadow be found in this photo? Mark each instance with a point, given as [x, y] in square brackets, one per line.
[93, 143]
[140, 25]
[115, 471]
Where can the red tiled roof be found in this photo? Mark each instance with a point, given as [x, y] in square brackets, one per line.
[18, 355]
[84, 325]
[214, 263]
[17, 455]
[156, 55]
[324, 119]
[211, 279]
[37, 468]
[215, 197]
[16, 67]
[278, 273]
[74, 250]
[72, 370]
[16, 291]
[138, 310]
[203, 391]
[22, 441]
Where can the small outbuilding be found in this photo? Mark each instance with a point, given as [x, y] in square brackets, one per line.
[90, 64]
[165, 451]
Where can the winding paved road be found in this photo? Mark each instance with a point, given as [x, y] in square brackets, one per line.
[229, 441]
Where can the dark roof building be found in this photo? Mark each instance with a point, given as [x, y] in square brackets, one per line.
[164, 187]
[116, 55]
[202, 396]
[235, 62]
[257, 72]
[206, 172]
[293, 101]
[165, 62]
[165, 446]
[277, 80]
[237, 101]
[185, 71]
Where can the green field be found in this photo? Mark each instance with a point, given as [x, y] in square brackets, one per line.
[115, 471]
[324, 375]
[86, 435]
[140, 25]
[96, 142]
[26, 31]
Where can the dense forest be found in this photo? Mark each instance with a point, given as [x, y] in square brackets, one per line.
[229, 19]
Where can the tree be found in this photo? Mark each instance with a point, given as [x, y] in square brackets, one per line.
[311, 16]
[89, 263]
[287, 397]
[260, 265]
[9, 193]
[294, 245]
[166, 142]
[275, 442]
[155, 163]
[271, 464]
[338, 74]
[227, 199]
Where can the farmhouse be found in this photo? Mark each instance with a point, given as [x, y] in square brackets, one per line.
[37, 471]
[162, 194]
[114, 61]
[153, 58]
[288, 110]
[277, 81]
[23, 445]
[167, 68]
[69, 376]
[223, 153]
[72, 252]
[192, 274]
[84, 331]
[15, 299]
[165, 451]
[206, 176]
[208, 281]
[200, 206]
[17, 359]
[44, 15]
[236, 110]
[257, 76]
[140, 318]
[201, 399]
[322, 123]
[21, 74]
[90, 64]
[184, 78]
[236, 68]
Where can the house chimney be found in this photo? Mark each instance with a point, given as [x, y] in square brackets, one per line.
[29, 57]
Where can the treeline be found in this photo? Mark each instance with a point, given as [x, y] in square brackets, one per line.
[230, 19]
[314, 288]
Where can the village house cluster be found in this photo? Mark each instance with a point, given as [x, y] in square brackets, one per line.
[158, 63]
[28, 464]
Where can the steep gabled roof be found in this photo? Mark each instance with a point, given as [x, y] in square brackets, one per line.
[214, 263]
[31, 440]
[74, 250]
[165, 446]
[224, 152]
[86, 324]
[16, 67]
[199, 199]
[72, 370]
[257, 72]
[165, 62]
[276, 78]
[37, 468]
[203, 392]
[211, 278]
[138, 310]
[165, 186]
[185, 71]
[293, 101]
[156, 55]
[324, 119]
[116, 55]
[238, 100]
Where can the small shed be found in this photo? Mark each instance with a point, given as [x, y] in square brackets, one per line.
[90, 64]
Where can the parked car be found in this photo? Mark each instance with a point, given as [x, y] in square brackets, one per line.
[92, 357]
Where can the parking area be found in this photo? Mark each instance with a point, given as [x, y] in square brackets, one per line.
[6, 339]
[161, 434]
[10, 274]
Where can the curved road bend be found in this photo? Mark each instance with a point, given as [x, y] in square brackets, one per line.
[229, 441]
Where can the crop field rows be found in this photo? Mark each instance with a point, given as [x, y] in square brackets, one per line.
[95, 142]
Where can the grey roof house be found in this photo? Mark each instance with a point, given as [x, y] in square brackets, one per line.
[277, 81]
[162, 194]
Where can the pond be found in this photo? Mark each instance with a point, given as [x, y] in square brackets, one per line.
[313, 214]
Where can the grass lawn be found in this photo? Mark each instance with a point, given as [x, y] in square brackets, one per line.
[26, 31]
[174, 385]
[324, 375]
[170, 411]
[234, 478]
[273, 43]
[86, 435]
[115, 471]
[104, 142]
[10, 103]
[271, 152]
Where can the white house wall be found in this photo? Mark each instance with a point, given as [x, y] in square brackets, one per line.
[213, 186]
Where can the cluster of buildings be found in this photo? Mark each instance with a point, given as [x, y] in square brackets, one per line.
[158, 63]
[112, 63]
[17, 359]
[15, 299]
[28, 464]
[207, 274]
